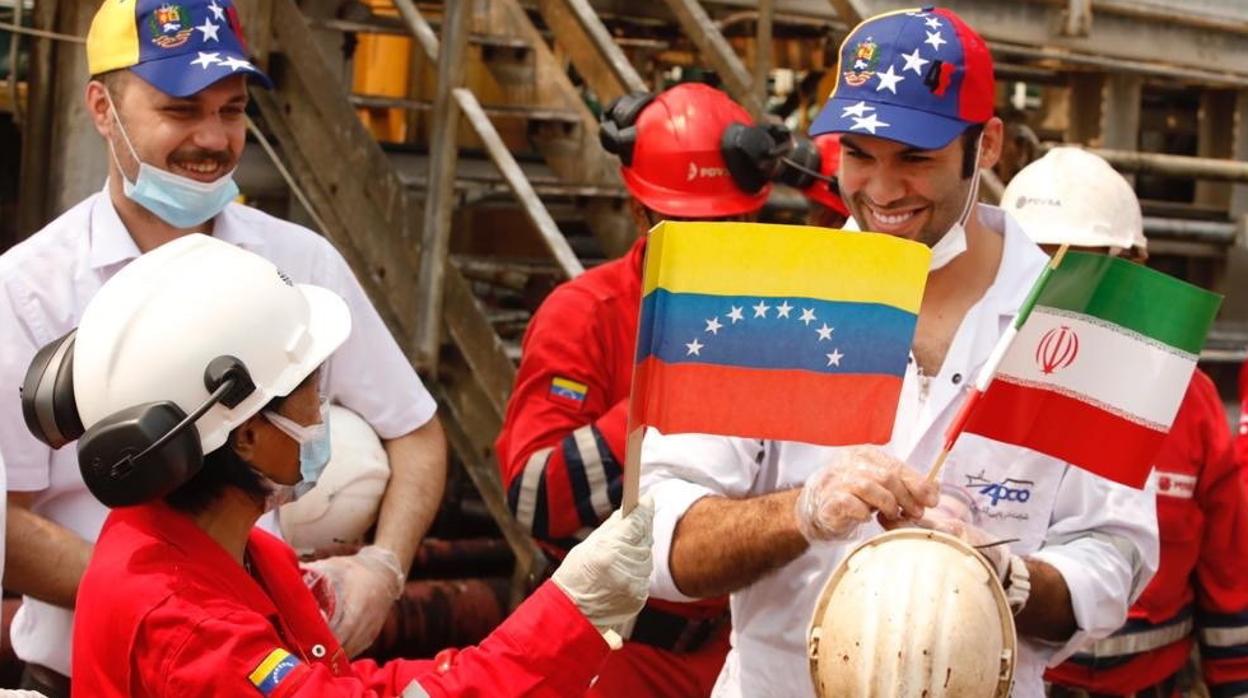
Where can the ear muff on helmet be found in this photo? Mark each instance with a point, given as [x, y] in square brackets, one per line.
[752, 153]
[47, 394]
[146, 451]
[618, 127]
[802, 167]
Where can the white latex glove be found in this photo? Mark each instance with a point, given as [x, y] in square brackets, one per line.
[862, 481]
[948, 518]
[364, 586]
[607, 575]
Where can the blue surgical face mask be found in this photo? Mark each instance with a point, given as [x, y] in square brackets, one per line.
[179, 201]
[314, 445]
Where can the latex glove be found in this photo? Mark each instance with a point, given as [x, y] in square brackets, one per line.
[862, 481]
[947, 519]
[364, 587]
[607, 575]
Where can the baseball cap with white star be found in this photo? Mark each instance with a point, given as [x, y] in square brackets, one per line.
[179, 46]
[918, 76]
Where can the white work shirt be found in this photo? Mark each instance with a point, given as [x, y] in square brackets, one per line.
[1101, 536]
[46, 282]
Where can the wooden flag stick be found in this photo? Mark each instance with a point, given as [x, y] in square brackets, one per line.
[632, 445]
[632, 468]
[989, 370]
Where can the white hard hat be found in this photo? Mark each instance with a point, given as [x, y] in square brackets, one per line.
[912, 613]
[149, 333]
[1073, 197]
[344, 503]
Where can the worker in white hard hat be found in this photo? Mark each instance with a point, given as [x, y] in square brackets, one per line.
[168, 95]
[192, 388]
[1200, 592]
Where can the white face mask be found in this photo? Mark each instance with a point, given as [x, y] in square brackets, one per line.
[953, 242]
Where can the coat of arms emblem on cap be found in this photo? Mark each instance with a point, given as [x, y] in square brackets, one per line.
[865, 61]
[170, 25]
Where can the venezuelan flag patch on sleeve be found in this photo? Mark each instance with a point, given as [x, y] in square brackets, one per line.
[276, 666]
[569, 390]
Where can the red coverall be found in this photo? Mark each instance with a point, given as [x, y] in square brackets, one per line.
[561, 451]
[164, 610]
[1241, 438]
[1200, 592]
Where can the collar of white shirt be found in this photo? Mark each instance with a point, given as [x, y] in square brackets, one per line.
[112, 244]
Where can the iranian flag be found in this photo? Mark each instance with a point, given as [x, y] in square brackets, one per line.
[1095, 366]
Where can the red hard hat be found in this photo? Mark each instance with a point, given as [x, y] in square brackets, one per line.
[677, 166]
[821, 191]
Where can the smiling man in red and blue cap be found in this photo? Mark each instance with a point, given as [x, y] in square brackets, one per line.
[768, 521]
[910, 83]
[168, 94]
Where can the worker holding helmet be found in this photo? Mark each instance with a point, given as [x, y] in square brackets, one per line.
[768, 520]
[688, 153]
[1200, 593]
[192, 386]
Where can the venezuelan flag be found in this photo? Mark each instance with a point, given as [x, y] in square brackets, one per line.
[775, 331]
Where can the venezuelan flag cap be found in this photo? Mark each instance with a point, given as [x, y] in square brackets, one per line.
[919, 77]
[179, 47]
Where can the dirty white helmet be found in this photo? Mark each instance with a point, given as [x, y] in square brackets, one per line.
[1071, 196]
[912, 613]
[343, 504]
[149, 333]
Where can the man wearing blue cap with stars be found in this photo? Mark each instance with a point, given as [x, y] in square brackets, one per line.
[168, 93]
[768, 521]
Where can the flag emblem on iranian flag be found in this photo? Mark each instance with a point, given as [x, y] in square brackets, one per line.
[1099, 366]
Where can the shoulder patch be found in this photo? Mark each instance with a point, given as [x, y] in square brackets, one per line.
[568, 390]
[276, 666]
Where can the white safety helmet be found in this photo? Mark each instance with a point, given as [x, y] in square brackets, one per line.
[1074, 197]
[344, 503]
[196, 333]
[912, 613]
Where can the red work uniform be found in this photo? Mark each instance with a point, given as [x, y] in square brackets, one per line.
[561, 451]
[1200, 592]
[165, 611]
[1241, 437]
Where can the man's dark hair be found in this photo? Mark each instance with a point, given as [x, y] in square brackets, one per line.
[970, 139]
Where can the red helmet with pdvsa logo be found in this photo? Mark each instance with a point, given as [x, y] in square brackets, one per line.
[673, 152]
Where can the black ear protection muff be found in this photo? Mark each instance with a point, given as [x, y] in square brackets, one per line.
[618, 127]
[752, 153]
[802, 167]
[47, 394]
[137, 454]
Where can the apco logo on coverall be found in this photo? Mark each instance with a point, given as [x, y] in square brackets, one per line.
[1007, 490]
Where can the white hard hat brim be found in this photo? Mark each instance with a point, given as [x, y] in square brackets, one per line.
[329, 325]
